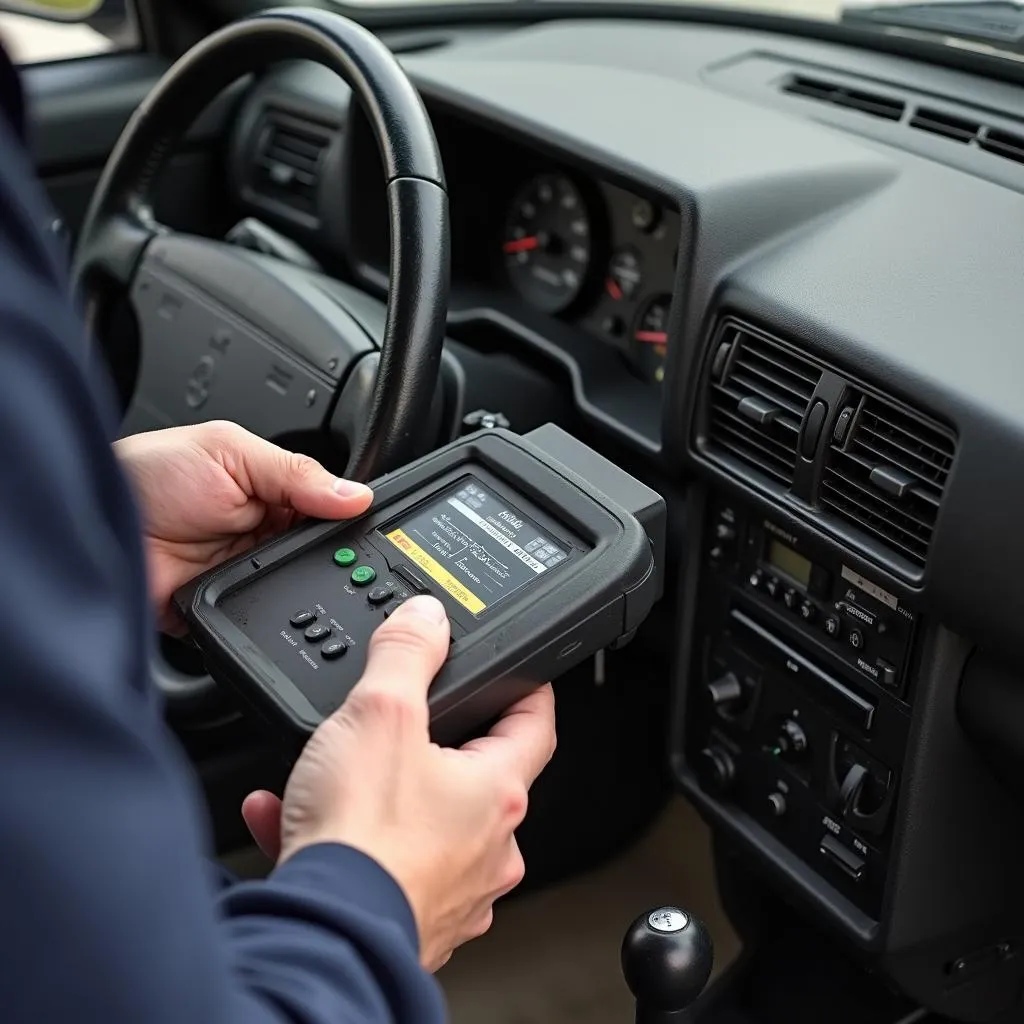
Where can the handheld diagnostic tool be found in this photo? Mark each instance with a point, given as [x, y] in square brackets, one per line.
[541, 551]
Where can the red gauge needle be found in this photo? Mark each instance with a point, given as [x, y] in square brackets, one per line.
[613, 288]
[522, 244]
[652, 337]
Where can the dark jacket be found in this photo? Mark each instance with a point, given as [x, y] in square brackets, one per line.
[108, 909]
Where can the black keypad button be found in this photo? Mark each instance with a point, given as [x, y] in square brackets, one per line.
[317, 631]
[380, 594]
[832, 625]
[334, 648]
[389, 611]
[302, 618]
[856, 639]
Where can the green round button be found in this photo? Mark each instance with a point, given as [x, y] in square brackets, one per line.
[363, 574]
[344, 556]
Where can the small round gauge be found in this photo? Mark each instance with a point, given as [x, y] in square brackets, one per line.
[624, 277]
[547, 243]
[644, 215]
[650, 338]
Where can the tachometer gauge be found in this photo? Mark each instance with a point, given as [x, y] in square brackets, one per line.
[547, 243]
[650, 338]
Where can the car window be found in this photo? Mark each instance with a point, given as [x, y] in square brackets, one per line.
[31, 40]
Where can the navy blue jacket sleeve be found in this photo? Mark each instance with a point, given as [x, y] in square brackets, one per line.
[107, 907]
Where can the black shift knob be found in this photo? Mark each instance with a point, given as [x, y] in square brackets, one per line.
[666, 959]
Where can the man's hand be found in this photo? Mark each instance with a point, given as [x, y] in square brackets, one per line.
[441, 821]
[212, 491]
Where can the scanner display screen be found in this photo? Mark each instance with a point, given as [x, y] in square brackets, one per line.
[475, 545]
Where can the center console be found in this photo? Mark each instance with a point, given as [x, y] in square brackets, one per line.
[798, 709]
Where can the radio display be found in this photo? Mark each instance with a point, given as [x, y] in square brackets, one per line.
[475, 545]
[786, 560]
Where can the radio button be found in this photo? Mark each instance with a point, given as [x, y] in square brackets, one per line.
[856, 639]
[773, 586]
[886, 673]
[832, 625]
[808, 611]
[756, 578]
[791, 599]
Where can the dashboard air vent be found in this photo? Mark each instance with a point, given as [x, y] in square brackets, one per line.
[938, 122]
[1005, 144]
[287, 159]
[876, 104]
[885, 474]
[759, 392]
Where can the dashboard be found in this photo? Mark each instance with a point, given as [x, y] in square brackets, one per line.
[784, 275]
[535, 235]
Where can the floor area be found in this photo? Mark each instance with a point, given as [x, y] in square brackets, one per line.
[552, 957]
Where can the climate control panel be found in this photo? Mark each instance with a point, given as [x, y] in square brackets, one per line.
[798, 705]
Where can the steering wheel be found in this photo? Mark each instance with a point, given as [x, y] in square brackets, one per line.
[227, 333]
[122, 249]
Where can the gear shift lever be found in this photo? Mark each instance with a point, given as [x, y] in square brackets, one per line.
[666, 959]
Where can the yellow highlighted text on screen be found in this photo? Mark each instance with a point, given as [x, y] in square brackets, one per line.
[437, 572]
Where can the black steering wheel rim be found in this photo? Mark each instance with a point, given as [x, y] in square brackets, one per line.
[119, 223]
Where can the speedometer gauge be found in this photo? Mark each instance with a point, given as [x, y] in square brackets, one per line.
[547, 243]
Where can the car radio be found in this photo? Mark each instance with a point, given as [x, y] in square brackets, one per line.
[859, 622]
[798, 707]
[542, 552]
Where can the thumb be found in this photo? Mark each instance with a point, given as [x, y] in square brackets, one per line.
[405, 654]
[262, 814]
[279, 477]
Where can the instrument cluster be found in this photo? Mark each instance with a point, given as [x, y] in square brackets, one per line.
[597, 256]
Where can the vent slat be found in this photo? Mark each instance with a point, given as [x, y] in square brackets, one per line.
[884, 452]
[890, 108]
[869, 524]
[919, 433]
[737, 424]
[863, 493]
[1008, 145]
[774, 395]
[763, 375]
[775, 380]
[938, 122]
[767, 459]
[786, 422]
[887, 443]
[798, 374]
[288, 157]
